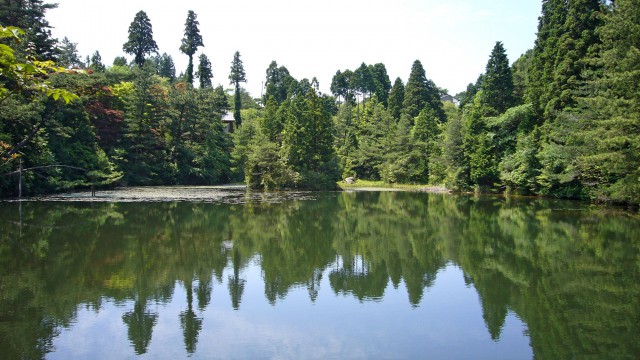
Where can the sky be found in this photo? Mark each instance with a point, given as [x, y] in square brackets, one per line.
[452, 38]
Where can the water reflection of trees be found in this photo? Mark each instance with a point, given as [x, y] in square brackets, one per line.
[571, 276]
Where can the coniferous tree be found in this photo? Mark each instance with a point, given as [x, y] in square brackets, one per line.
[237, 76]
[140, 42]
[396, 99]
[204, 73]
[421, 92]
[191, 41]
[363, 80]
[497, 86]
[341, 86]
[278, 83]
[541, 73]
[566, 35]
[166, 67]
[68, 54]
[520, 73]
[381, 83]
[96, 62]
[609, 163]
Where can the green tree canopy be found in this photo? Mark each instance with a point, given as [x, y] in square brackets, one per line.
[191, 41]
[140, 42]
[96, 62]
[30, 16]
[68, 54]
[396, 99]
[237, 76]
[204, 73]
[421, 92]
[497, 86]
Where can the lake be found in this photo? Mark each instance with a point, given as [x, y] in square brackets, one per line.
[224, 274]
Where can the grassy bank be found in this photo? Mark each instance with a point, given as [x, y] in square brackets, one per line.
[367, 184]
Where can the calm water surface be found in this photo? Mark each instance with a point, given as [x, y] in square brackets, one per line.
[354, 275]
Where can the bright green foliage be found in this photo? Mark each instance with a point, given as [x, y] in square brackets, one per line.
[191, 41]
[519, 171]
[243, 145]
[405, 161]
[272, 124]
[140, 42]
[204, 73]
[30, 16]
[307, 141]
[396, 99]
[409, 161]
[420, 93]
[28, 103]
[307, 144]
[374, 137]
[237, 76]
[266, 169]
[558, 153]
[506, 127]
[455, 159]
[497, 85]
[147, 158]
[479, 146]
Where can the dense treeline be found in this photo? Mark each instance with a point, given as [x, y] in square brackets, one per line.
[133, 124]
[562, 120]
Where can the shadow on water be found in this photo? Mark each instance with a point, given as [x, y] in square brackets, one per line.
[572, 276]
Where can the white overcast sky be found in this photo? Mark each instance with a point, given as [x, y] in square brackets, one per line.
[452, 38]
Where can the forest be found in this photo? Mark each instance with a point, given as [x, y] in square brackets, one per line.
[562, 120]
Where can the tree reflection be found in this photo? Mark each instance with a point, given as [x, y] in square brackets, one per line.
[140, 323]
[236, 283]
[191, 324]
[571, 276]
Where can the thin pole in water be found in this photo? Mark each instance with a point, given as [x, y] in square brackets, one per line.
[20, 180]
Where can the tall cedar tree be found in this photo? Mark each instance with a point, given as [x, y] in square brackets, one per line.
[420, 93]
[396, 99]
[204, 73]
[566, 35]
[611, 162]
[237, 76]
[140, 41]
[497, 87]
[191, 41]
